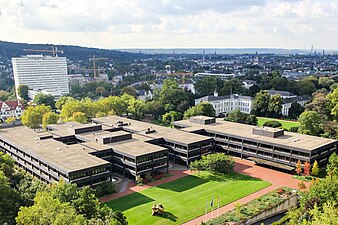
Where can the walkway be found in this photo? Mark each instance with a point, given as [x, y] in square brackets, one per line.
[276, 178]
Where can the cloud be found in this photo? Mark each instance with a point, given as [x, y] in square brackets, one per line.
[172, 23]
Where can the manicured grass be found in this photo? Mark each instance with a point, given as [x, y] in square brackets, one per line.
[185, 198]
[286, 124]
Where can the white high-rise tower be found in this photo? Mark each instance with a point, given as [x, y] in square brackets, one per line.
[42, 74]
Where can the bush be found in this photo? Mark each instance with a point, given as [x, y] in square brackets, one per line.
[293, 129]
[139, 180]
[105, 188]
[272, 123]
[218, 162]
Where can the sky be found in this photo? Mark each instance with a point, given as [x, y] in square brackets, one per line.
[114, 24]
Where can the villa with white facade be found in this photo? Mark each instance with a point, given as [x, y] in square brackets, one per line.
[228, 103]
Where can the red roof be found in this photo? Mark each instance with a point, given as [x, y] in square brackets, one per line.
[13, 104]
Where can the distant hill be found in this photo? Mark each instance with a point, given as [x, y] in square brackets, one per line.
[10, 49]
[221, 51]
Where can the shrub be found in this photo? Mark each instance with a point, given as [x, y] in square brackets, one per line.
[272, 123]
[105, 188]
[218, 162]
[139, 180]
[293, 129]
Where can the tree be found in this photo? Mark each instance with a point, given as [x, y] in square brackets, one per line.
[100, 90]
[48, 210]
[217, 162]
[86, 203]
[9, 201]
[207, 85]
[4, 95]
[272, 123]
[315, 169]
[171, 117]
[261, 103]
[275, 106]
[10, 120]
[332, 166]
[171, 95]
[310, 123]
[61, 101]
[321, 104]
[32, 116]
[238, 117]
[307, 167]
[301, 186]
[46, 99]
[130, 90]
[49, 118]
[155, 108]
[325, 82]
[23, 91]
[79, 117]
[136, 108]
[295, 110]
[232, 86]
[202, 109]
[299, 168]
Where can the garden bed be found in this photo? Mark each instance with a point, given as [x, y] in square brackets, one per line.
[253, 208]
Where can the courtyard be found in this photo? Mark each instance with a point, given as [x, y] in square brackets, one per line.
[186, 198]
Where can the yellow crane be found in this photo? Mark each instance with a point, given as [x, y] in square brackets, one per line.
[94, 65]
[54, 50]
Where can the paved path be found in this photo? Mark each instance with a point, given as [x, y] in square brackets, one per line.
[276, 178]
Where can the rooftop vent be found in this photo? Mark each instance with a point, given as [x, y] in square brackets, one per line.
[121, 123]
[268, 132]
[202, 120]
[150, 130]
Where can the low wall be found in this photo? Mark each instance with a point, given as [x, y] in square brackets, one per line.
[274, 210]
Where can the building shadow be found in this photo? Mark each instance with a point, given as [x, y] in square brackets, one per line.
[169, 216]
[128, 201]
[179, 185]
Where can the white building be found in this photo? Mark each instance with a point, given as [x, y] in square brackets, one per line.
[11, 109]
[42, 73]
[283, 94]
[248, 83]
[301, 100]
[223, 76]
[229, 103]
[144, 95]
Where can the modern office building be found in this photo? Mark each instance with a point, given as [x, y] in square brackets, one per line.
[87, 154]
[265, 145]
[42, 73]
[229, 103]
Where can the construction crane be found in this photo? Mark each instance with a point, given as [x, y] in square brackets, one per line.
[94, 64]
[54, 51]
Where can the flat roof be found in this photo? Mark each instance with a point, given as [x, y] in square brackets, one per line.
[134, 147]
[289, 139]
[140, 127]
[66, 158]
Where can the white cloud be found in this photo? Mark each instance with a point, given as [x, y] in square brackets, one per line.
[172, 23]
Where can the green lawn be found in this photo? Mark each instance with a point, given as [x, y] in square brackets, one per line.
[286, 124]
[185, 198]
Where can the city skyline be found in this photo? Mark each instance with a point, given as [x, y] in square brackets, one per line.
[173, 24]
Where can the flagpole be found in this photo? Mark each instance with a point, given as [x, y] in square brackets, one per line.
[212, 210]
[219, 198]
[206, 210]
